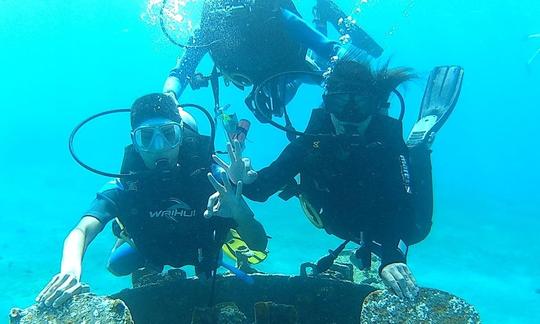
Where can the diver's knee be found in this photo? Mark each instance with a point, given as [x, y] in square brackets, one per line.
[118, 270]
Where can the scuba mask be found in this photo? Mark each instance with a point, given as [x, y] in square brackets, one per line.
[350, 107]
[158, 142]
[156, 138]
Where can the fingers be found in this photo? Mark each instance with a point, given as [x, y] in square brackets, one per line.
[237, 150]
[42, 293]
[402, 283]
[67, 294]
[411, 288]
[226, 183]
[212, 202]
[220, 162]
[391, 282]
[68, 282]
[409, 274]
[218, 186]
[400, 279]
[232, 155]
[58, 281]
[239, 186]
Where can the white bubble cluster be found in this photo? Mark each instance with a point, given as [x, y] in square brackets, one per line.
[180, 16]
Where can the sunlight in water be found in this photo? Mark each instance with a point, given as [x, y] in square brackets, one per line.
[180, 16]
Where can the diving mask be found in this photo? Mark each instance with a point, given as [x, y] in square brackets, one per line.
[349, 106]
[155, 138]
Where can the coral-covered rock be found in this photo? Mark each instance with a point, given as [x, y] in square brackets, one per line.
[84, 308]
[431, 306]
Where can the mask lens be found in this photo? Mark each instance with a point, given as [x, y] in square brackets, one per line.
[172, 134]
[348, 106]
[337, 101]
[146, 137]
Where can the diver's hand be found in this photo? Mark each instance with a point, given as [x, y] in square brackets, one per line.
[240, 168]
[172, 94]
[62, 287]
[399, 278]
[227, 202]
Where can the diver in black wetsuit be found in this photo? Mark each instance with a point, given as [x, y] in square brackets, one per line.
[252, 40]
[355, 179]
[353, 169]
[165, 211]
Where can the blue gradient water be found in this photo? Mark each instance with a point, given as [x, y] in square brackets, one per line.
[61, 61]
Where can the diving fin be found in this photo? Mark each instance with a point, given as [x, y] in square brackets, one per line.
[328, 11]
[440, 98]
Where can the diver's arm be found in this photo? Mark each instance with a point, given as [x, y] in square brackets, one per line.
[398, 221]
[67, 283]
[228, 203]
[278, 174]
[185, 67]
[76, 243]
[251, 231]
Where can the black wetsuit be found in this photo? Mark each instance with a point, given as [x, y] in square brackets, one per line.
[163, 212]
[163, 218]
[359, 187]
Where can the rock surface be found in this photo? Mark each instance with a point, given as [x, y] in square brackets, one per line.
[82, 309]
[431, 306]
[366, 277]
[330, 297]
[316, 300]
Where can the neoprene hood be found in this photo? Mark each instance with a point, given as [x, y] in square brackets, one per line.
[154, 105]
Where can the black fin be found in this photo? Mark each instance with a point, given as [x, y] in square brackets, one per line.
[440, 99]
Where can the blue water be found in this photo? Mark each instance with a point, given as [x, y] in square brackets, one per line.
[61, 61]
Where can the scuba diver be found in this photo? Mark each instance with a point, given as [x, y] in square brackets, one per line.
[253, 41]
[353, 163]
[166, 205]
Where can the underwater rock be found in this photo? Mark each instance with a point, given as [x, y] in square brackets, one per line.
[226, 313]
[431, 306]
[341, 295]
[365, 277]
[145, 277]
[315, 300]
[272, 313]
[83, 308]
[272, 299]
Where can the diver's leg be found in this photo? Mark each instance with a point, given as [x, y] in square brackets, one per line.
[305, 34]
[124, 260]
[422, 185]
[440, 98]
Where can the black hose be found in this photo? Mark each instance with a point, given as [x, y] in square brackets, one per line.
[127, 110]
[290, 129]
[78, 160]
[258, 91]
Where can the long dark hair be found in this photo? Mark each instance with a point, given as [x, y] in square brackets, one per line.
[360, 76]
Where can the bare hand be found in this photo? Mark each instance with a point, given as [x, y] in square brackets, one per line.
[240, 168]
[62, 287]
[400, 280]
[227, 202]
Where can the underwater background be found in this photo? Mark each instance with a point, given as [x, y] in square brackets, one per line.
[61, 61]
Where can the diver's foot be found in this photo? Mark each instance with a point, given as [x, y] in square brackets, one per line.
[440, 98]
[422, 132]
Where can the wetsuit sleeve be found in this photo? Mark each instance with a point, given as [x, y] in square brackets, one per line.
[278, 174]
[105, 206]
[186, 65]
[396, 202]
[306, 35]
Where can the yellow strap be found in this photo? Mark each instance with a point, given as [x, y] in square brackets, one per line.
[236, 245]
